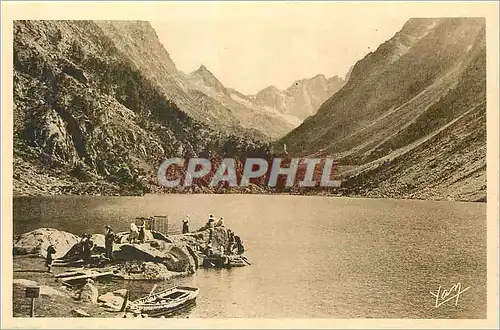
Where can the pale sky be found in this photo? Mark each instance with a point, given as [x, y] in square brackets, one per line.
[250, 46]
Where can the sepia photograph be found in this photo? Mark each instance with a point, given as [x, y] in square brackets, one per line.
[253, 160]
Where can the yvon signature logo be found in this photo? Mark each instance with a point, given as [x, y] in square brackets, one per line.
[443, 296]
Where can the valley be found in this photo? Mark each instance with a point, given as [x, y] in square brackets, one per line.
[98, 105]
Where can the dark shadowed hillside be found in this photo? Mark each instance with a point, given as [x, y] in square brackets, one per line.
[411, 120]
[138, 41]
[91, 115]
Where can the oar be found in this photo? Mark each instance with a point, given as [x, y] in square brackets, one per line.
[154, 287]
[125, 302]
[245, 260]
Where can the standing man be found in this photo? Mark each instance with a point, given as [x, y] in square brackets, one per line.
[230, 238]
[134, 233]
[88, 244]
[185, 225]
[210, 234]
[109, 238]
[51, 250]
[211, 221]
[239, 245]
[142, 232]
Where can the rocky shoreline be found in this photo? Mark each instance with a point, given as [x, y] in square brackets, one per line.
[159, 258]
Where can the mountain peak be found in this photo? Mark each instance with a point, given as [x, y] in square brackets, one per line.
[319, 76]
[208, 79]
[269, 91]
[202, 70]
[271, 88]
[316, 78]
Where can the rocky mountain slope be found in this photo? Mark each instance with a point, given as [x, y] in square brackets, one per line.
[249, 115]
[98, 106]
[411, 120]
[302, 99]
[276, 112]
[192, 93]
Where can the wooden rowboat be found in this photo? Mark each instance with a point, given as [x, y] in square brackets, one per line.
[165, 302]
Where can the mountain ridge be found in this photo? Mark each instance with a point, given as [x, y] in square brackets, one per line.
[98, 105]
[411, 90]
[90, 116]
[302, 98]
[299, 100]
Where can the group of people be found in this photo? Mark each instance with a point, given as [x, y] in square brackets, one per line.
[234, 245]
[137, 233]
[86, 244]
[211, 223]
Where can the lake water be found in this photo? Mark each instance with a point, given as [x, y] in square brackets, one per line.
[311, 256]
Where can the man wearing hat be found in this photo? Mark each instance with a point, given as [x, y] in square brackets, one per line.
[185, 225]
[211, 221]
[109, 238]
[87, 245]
[51, 250]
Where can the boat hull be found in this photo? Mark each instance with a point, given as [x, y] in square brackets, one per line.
[165, 302]
[170, 311]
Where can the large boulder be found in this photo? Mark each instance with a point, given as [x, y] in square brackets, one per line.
[74, 253]
[197, 257]
[76, 250]
[198, 240]
[144, 252]
[179, 260]
[89, 293]
[175, 256]
[142, 270]
[37, 241]
[113, 300]
[155, 235]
